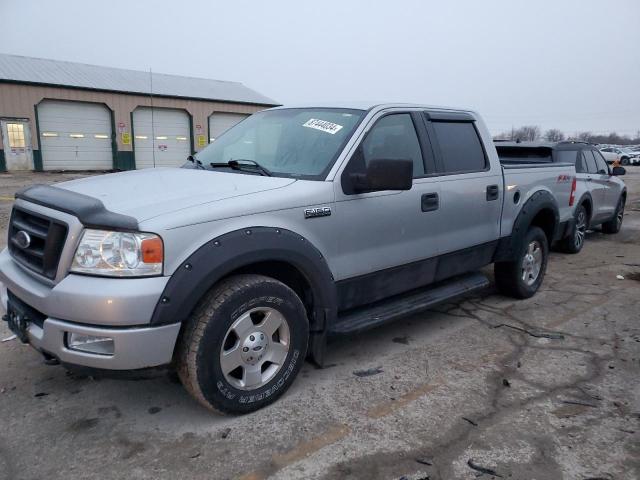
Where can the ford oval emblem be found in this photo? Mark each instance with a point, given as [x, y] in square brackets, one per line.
[22, 239]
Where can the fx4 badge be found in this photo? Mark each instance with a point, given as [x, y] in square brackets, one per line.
[317, 212]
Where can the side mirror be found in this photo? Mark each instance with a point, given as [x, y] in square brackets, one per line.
[383, 174]
[618, 171]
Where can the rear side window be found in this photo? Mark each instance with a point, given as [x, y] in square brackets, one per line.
[568, 156]
[590, 161]
[460, 147]
[600, 162]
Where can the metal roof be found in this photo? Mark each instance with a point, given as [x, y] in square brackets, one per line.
[15, 68]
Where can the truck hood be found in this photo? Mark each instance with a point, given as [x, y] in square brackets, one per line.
[145, 194]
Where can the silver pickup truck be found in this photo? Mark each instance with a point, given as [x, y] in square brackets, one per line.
[296, 224]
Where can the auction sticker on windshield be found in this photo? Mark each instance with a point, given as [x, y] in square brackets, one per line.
[323, 126]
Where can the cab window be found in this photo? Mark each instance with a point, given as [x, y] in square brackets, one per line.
[603, 169]
[393, 137]
[460, 147]
[590, 161]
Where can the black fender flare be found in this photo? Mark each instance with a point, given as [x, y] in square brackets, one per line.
[240, 248]
[541, 200]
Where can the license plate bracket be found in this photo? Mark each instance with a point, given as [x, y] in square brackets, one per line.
[18, 321]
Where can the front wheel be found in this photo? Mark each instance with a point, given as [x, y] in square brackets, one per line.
[574, 242]
[624, 161]
[615, 224]
[522, 277]
[244, 344]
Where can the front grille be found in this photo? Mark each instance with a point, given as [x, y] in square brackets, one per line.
[47, 240]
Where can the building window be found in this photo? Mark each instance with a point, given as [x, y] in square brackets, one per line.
[16, 135]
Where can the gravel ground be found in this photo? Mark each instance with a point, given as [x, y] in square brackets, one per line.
[545, 388]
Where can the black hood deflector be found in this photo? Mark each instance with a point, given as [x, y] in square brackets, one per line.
[89, 210]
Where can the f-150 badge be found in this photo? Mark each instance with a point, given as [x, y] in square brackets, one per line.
[317, 212]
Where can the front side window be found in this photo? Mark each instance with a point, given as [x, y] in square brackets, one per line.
[460, 147]
[292, 142]
[394, 137]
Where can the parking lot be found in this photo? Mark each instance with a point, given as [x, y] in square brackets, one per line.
[488, 387]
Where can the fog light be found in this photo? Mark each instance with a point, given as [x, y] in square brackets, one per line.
[90, 343]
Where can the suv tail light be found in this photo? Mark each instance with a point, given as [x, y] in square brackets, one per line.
[572, 196]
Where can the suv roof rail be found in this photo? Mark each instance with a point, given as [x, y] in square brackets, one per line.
[577, 141]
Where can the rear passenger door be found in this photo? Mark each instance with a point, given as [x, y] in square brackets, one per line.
[470, 190]
[597, 186]
[611, 190]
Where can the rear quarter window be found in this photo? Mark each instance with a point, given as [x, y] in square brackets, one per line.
[460, 147]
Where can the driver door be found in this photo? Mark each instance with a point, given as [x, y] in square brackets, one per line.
[386, 239]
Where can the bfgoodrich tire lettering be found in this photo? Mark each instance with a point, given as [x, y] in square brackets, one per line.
[202, 343]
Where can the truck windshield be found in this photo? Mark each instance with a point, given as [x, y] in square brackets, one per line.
[292, 142]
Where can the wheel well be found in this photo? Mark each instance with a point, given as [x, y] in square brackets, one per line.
[546, 220]
[586, 203]
[285, 273]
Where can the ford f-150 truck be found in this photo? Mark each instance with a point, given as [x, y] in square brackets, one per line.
[296, 224]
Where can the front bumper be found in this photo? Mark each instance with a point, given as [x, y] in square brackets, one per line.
[108, 307]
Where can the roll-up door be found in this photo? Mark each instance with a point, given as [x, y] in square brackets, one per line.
[220, 122]
[75, 136]
[161, 137]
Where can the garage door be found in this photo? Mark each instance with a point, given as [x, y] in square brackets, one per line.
[75, 136]
[221, 122]
[161, 139]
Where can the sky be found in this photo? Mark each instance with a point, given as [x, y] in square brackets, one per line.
[568, 64]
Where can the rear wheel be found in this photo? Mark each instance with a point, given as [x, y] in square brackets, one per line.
[624, 161]
[615, 224]
[244, 344]
[574, 242]
[522, 277]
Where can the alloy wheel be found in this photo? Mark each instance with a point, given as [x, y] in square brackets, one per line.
[255, 348]
[532, 263]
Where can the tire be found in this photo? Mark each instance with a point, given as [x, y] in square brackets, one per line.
[519, 279]
[624, 161]
[574, 242]
[615, 224]
[253, 321]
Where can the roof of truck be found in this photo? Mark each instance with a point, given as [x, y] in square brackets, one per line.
[368, 105]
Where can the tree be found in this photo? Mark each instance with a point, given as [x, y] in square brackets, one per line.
[585, 137]
[527, 133]
[554, 135]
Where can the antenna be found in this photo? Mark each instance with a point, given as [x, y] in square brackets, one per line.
[153, 131]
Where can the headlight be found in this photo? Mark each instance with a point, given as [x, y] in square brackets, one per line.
[118, 254]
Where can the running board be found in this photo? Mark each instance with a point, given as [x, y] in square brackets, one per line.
[384, 311]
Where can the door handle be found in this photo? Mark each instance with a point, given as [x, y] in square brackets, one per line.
[493, 192]
[430, 202]
[589, 179]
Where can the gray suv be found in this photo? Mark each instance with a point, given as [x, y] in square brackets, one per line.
[295, 225]
[600, 195]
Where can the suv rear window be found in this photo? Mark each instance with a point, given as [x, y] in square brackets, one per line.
[509, 154]
[460, 147]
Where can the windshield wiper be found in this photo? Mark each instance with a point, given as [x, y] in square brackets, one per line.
[237, 165]
[196, 163]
